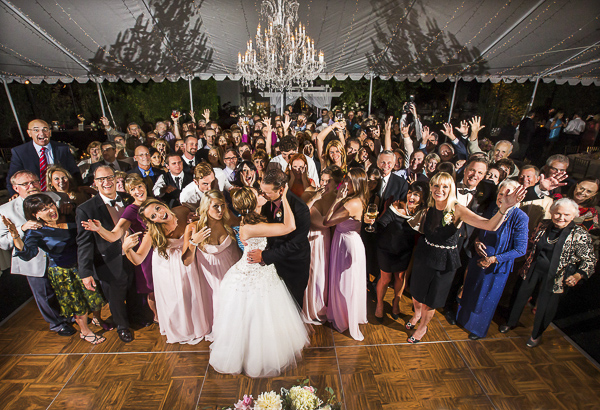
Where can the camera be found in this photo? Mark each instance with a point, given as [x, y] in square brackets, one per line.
[409, 104]
[339, 117]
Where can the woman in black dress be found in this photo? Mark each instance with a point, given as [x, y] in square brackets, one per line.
[437, 253]
[395, 243]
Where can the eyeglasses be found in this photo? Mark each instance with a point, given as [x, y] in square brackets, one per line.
[229, 158]
[26, 184]
[102, 179]
[45, 130]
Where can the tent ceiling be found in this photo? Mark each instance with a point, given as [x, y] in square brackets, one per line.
[510, 40]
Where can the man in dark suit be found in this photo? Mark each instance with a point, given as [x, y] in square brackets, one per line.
[144, 168]
[41, 152]
[103, 261]
[290, 253]
[526, 131]
[477, 194]
[169, 185]
[393, 187]
[109, 157]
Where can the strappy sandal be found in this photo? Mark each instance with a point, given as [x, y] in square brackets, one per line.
[103, 325]
[95, 339]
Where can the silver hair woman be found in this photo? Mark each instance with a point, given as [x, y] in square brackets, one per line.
[560, 254]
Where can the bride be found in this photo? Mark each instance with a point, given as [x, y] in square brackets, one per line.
[258, 328]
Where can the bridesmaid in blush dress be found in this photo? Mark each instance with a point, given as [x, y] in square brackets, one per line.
[218, 251]
[347, 302]
[319, 238]
[182, 302]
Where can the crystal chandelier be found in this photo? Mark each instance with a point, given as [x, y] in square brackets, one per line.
[284, 56]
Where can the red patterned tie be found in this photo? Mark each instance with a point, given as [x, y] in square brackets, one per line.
[43, 166]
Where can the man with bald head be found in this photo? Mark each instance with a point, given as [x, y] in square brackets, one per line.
[39, 154]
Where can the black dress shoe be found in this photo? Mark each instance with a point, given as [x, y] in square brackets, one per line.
[379, 319]
[395, 316]
[125, 335]
[66, 330]
[533, 343]
[504, 328]
[473, 336]
[450, 317]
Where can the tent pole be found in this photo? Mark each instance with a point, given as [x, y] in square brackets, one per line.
[370, 93]
[191, 94]
[100, 96]
[14, 110]
[550, 71]
[453, 96]
[537, 80]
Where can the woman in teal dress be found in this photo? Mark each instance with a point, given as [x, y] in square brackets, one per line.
[57, 238]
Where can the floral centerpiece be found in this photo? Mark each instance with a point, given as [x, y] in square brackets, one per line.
[299, 397]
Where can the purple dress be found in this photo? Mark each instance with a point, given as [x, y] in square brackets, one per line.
[143, 272]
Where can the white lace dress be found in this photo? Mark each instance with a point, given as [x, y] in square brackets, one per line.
[258, 328]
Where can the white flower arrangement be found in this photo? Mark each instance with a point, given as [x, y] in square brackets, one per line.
[448, 218]
[268, 401]
[303, 398]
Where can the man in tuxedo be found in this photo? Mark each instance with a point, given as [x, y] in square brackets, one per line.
[169, 185]
[26, 183]
[109, 157]
[290, 253]
[190, 156]
[393, 187]
[477, 194]
[210, 136]
[39, 154]
[144, 168]
[103, 261]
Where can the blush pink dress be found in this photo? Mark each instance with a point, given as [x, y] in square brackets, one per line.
[347, 301]
[214, 262]
[181, 294]
[315, 295]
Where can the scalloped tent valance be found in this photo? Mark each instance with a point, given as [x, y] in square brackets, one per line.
[488, 40]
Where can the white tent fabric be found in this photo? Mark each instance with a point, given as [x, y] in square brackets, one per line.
[429, 40]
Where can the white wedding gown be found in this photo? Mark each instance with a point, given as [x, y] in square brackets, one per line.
[258, 328]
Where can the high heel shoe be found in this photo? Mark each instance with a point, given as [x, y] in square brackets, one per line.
[413, 340]
[379, 319]
[410, 326]
[395, 316]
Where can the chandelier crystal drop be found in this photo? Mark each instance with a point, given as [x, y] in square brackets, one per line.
[283, 56]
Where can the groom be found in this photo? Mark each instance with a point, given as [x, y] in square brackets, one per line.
[290, 253]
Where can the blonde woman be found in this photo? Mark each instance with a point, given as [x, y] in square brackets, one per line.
[334, 153]
[436, 255]
[347, 300]
[182, 302]
[215, 249]
[61, 180]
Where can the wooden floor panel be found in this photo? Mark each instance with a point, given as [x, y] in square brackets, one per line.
[41, 370]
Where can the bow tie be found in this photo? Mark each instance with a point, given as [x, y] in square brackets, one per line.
[116, 201]
[466, 191]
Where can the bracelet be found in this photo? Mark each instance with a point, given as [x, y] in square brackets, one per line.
[499, 210]
[193, 243]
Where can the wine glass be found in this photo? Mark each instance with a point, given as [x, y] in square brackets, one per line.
[371, 213]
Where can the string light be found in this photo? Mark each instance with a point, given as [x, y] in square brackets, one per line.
[347, 38]
[394, 33]
[94, 41]
[435, 69]
[431, 42]
[19, 55]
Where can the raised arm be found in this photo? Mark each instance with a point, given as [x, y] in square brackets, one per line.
[109, 236]
[471, 218]
[129, 242]
[191, 239]
[272, 229]
[387, 137]
[176, 127]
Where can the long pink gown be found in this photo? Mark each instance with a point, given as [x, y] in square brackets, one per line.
[315, 295]
[180, 291]
[214, 262]
[347, 303]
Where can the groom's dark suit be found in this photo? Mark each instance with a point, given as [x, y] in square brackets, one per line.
[105, 261]
[290, 253]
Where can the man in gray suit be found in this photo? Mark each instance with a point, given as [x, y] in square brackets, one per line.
[26, 183]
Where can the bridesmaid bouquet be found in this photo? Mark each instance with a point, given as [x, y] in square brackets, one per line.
[299, 397]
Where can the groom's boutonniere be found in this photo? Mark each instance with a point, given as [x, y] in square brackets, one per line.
[278, 214]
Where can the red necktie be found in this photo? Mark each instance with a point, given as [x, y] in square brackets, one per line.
[43, 166]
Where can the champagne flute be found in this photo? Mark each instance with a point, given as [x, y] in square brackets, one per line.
[371, 213]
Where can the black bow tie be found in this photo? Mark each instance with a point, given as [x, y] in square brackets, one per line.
[465, 191]
[116, 201]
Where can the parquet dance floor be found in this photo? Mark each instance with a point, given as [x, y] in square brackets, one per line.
[41, 370]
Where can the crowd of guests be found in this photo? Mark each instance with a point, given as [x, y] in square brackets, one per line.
[148, 223]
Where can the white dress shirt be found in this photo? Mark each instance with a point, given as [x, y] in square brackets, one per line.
[312, 168]
[49, 154]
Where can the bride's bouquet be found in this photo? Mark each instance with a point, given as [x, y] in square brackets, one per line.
[299, 397]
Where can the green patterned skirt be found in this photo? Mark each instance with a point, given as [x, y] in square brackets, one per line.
[73, 297]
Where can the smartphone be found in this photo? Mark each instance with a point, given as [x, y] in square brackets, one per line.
[339, 117]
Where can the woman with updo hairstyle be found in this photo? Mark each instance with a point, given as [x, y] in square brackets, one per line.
[347, 299]
[217, 250]
[297, 173]
[183, 304]
[496, 174]
[260, 158]
[258, 328]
